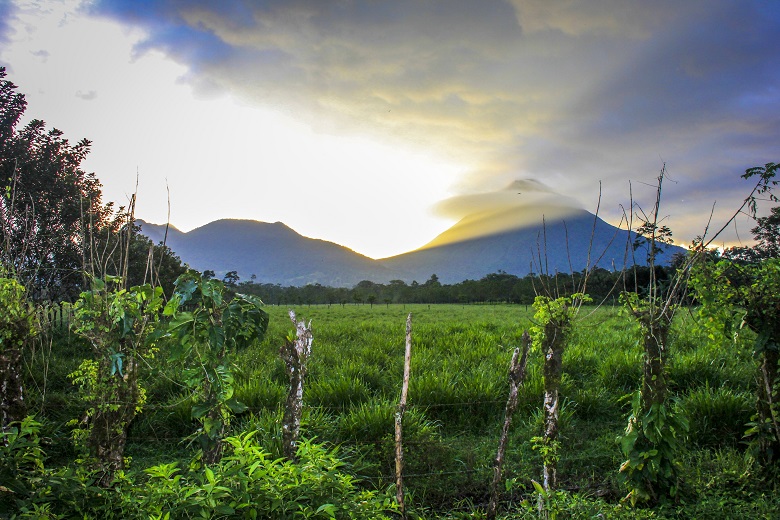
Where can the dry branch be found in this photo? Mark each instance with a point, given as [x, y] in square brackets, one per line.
[516, 379]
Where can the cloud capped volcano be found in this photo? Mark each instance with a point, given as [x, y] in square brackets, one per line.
[522, 204]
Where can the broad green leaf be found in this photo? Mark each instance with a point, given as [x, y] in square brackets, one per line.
[236, 406]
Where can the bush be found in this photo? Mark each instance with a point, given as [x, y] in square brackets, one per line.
[247, 483]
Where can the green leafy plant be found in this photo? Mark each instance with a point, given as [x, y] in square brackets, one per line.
[21, 473]
[651, 445]
[119, 325]
[17, 328]
[207, 331]
[738, 297]
[248, 483]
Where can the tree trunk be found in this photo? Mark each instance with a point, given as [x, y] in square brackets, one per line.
[516, 379]
[113, 414]
[766, 405]
[12, 406]
[295, 355]
[553, 346]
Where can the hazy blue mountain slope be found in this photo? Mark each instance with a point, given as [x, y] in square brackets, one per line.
[274, 253]
[563, 244]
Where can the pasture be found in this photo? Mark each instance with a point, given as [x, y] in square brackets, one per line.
[457, 396]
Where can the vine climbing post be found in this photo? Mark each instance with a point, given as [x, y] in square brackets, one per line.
[295, 354]
[653, 436]
[399, 414]
[516, 379]
[553, 321]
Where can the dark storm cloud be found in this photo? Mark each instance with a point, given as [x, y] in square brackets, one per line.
[566, 92]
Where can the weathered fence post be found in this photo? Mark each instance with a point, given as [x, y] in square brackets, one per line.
[295, 355]
[399, 413]
[516, 379]
[553, 347]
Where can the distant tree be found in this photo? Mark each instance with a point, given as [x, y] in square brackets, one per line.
[740, 254]
[231, 279]
[767, 234]
[208, 274]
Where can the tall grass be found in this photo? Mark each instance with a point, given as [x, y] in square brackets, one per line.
[457, 394]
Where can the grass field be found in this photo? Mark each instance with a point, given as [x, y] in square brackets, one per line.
[457, 395]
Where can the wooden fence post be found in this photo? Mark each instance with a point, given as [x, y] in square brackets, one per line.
[399, 413]
[295, 355]
[516, 379]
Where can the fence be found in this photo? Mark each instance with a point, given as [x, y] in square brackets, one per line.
[55, 316]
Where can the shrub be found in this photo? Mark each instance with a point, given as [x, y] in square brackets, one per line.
[247, 483]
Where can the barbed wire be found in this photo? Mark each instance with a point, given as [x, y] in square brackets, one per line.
[351, 406]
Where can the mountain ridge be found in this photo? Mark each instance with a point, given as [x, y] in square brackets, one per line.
[273, 252]
[277, 254]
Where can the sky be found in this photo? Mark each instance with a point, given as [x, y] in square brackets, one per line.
[379, 124]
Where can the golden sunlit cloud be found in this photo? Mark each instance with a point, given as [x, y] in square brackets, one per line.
[524, 203]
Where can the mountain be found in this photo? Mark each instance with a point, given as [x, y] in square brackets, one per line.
[274, 253]
[565, 240]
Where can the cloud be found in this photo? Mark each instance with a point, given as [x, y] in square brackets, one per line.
[7, 15]
[86, 96]
[569, 93]
[43, 54]
[523, 203]
[622, 19]
[520, 193]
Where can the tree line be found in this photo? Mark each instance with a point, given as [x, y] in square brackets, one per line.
[500, 287]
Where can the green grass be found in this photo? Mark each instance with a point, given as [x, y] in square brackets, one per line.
[457, 395]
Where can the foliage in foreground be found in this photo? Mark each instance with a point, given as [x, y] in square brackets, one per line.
[457, 395]
[246, 483]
